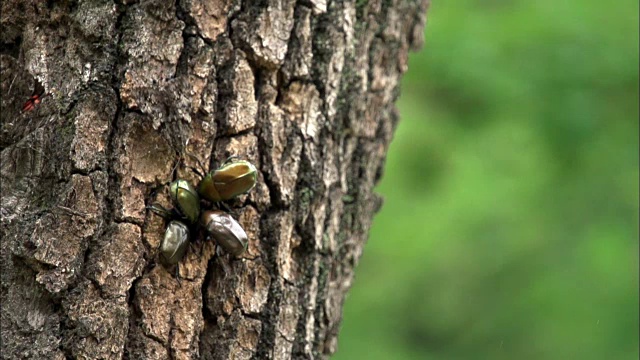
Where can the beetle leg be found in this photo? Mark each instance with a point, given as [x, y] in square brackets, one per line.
[226, 268]
[224, 206]
[173, 170]
[178, 275]
[218, 251]
[194, 170]
[160, 211]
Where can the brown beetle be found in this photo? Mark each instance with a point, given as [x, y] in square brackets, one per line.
[226, 231]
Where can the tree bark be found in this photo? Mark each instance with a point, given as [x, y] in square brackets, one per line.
[303, 89]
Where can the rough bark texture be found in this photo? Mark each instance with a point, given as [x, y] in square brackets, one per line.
[304, 89]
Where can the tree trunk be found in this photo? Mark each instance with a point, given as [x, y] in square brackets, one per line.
[305, 90]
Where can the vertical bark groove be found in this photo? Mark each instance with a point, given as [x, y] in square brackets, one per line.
[303, 89]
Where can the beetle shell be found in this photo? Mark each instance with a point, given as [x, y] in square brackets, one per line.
[226, 231]
[186, 198]
[175, 242]
[230, 180]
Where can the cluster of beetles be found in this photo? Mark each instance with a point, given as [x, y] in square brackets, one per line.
[234, 177]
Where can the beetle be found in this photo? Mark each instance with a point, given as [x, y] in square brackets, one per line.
[233, 178]
[186, 199]
[36, 97]
[177, 235]
[175, 242]
[225, 230]
[33, 101]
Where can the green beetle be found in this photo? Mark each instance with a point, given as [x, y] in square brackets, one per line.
[233, 178]
[186, 199]
[226, 231]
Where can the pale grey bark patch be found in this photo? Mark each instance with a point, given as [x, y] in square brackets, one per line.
[305, 90]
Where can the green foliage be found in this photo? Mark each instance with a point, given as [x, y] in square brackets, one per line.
[510, 226]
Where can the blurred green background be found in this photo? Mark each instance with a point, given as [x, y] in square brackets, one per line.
[510, 226]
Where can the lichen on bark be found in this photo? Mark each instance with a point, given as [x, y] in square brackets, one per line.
[303, 89]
